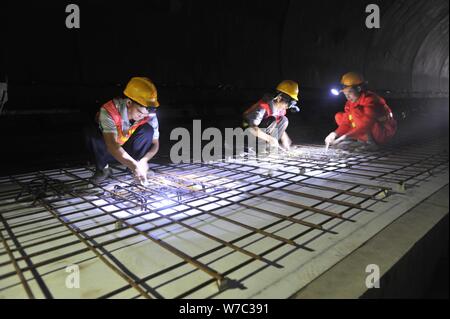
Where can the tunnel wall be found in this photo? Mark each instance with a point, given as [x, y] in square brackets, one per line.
[406, 55]
[193, 48]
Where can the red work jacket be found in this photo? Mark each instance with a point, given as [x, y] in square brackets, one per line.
[369, 116]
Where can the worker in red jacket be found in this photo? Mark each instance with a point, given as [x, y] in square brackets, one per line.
[266, 119]
[366, 117]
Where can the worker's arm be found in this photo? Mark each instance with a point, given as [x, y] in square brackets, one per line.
[253, 117]
[286, 142]
[116, 150]
[154, 123]
[343, 122]
[342, 130]
[256, 131]
[152, 152]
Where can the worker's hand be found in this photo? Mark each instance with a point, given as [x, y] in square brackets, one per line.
[331, 138]
[286, 142]
[272, 145]
[273, 142]
[140, 171]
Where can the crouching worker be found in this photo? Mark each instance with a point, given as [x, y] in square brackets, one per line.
[126, 131]
[366, 119]
[267, 118]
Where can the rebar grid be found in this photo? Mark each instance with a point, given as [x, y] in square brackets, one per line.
[47, 218]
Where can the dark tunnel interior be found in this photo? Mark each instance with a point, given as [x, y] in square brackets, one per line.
[211, 60]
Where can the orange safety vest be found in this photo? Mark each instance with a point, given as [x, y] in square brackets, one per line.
[267, 108]
[122, 138]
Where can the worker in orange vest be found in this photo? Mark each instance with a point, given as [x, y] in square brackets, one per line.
[366, 117]
[267, 120]
[127, 131]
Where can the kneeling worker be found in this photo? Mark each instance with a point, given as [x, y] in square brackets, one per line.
[366, 117]
[127, 131]
[267, 118]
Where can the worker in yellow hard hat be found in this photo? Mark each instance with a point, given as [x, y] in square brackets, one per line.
[366, 119]
[267, 120]
[127, 131]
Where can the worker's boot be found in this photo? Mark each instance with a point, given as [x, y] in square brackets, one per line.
[369, 146]
[101, 175]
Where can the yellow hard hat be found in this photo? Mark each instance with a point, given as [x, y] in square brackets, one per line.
[352, 79]
[142, 91]
[290, 88]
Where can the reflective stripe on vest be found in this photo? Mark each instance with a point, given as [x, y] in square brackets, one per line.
[122, 138]
[266, 108]
[350, 118]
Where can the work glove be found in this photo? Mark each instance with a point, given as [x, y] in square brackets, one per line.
[329, 140]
